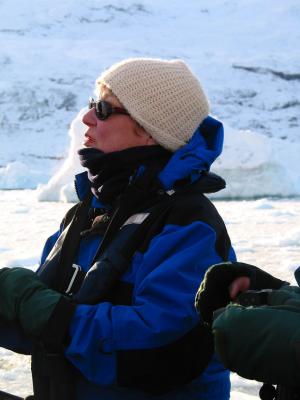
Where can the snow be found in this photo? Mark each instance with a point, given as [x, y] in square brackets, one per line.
[245, 53]
[247, 57]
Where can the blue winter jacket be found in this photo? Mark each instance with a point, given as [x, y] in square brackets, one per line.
[114, 339]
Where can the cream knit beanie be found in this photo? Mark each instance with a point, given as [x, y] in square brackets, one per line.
[164, 97]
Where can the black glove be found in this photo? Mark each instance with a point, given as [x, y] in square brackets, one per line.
[214, 289]
[42, 313]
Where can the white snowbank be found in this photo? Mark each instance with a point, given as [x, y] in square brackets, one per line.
[248, 78]
[18, 175]
[61, 186]
[255, 165]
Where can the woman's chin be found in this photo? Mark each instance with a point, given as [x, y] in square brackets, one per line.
[89, 143]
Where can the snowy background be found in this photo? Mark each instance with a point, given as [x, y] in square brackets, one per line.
[246, 54]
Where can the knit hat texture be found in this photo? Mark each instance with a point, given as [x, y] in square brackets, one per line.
[163, 96]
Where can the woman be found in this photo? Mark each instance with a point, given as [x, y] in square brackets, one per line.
[128, 257]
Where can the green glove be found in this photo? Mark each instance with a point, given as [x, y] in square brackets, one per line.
[214, 289]
[287, 296]
[260, 343]
[42, 312]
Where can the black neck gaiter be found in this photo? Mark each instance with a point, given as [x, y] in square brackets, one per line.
[110, 173]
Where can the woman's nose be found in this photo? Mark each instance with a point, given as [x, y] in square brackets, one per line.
[90, 118]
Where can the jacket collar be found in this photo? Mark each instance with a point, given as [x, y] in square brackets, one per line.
[190, 161]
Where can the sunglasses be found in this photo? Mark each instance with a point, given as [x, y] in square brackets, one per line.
[103, 109]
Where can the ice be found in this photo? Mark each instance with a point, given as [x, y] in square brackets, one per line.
[291, 238]
[246, 55]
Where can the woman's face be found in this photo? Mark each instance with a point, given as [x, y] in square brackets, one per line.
[117, 132]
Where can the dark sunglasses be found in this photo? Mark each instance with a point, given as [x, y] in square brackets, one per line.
[103, 109]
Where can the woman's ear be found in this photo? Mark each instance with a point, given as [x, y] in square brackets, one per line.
[150, 140]
[140, 131]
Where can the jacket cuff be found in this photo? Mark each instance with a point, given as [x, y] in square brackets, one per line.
[55, 333]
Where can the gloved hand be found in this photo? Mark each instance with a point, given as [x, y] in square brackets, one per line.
[214, 289]
[43, 313]
[260, 343]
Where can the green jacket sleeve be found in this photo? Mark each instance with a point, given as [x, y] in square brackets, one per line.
[262, 343]
[43, 313]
